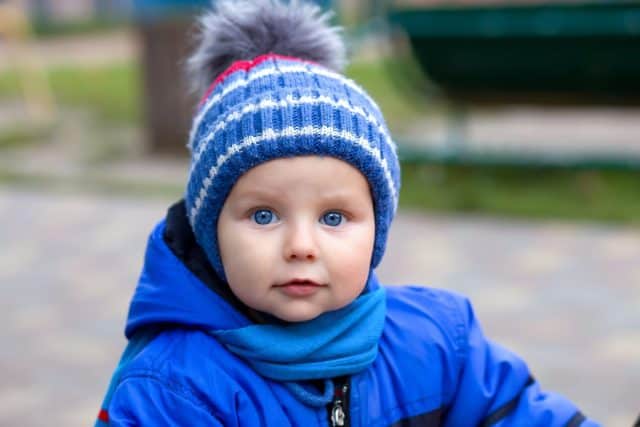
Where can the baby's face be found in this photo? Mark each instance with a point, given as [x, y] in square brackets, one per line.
[296, 236]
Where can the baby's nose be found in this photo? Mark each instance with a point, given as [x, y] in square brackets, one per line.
[300, 244]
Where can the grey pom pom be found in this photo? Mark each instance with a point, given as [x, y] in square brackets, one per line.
[244, 29]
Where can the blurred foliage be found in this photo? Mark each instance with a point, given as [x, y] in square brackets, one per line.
[399, 103]
[21, 135]
[48, 28]
[9, 84]
[112, 91]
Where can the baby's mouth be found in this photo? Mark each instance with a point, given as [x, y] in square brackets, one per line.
[300, 287]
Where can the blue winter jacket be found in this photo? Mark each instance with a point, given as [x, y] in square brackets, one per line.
[434, 368]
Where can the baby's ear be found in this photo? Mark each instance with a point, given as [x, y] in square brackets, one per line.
[237, 30]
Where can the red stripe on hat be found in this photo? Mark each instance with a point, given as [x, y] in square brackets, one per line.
[246, 65]
[103, 415]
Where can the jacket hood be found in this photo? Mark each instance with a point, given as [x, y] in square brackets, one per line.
[168, 293]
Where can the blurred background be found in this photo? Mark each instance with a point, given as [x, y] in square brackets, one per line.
[518, 127]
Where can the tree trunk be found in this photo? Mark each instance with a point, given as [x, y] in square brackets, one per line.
[168, 108]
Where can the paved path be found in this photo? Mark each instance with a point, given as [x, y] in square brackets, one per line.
[565, 297]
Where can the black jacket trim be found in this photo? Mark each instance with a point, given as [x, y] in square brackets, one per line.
[429, 419]
[505, 409]
[576, 420]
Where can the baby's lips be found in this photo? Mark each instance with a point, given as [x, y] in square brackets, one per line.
[297, 281]
[300, 288]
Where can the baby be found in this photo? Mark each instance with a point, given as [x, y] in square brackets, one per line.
[258, 304]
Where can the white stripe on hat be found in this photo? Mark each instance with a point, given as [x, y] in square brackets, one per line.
[270, 134]
[268, 71]
[288, 101]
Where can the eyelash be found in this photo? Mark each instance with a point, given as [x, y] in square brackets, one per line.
[273, 215]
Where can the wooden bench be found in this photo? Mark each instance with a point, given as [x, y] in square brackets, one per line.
[569, 53]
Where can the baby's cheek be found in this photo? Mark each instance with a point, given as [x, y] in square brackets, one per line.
[361, 249]
[351, 272]
[248, 246]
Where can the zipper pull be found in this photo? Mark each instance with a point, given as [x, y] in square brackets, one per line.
[338, 415]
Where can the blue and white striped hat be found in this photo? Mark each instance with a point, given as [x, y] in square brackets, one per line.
[275, 106]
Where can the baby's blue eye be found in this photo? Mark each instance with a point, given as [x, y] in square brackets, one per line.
[264, 216]
[332, 218]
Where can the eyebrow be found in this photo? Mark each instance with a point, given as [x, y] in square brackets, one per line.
[339, 196]
[260, 194]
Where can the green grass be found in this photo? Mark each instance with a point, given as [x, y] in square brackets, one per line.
[22, 135]
[113, 92]
[108, 186]
[542, 193]
[44, 28]
[399, 103]
[9, 84]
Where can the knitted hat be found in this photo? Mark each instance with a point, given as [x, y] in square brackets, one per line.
[276, 93]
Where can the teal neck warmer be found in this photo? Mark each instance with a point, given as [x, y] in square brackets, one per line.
[336, 343]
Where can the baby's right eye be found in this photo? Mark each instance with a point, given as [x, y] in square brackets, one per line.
[264, 216]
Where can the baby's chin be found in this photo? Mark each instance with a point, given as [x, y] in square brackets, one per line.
[267, 315]
[298, 317]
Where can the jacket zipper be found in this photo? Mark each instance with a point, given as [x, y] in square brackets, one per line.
[339, 411]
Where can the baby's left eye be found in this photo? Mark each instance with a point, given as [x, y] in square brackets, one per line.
[264, 216]
[332, 218]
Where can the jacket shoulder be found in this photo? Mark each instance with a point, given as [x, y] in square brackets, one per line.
[188, 364]
[421, 354]
[195, 369]
[436, 315]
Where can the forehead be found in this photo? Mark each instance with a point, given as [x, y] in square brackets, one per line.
[312, 174]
